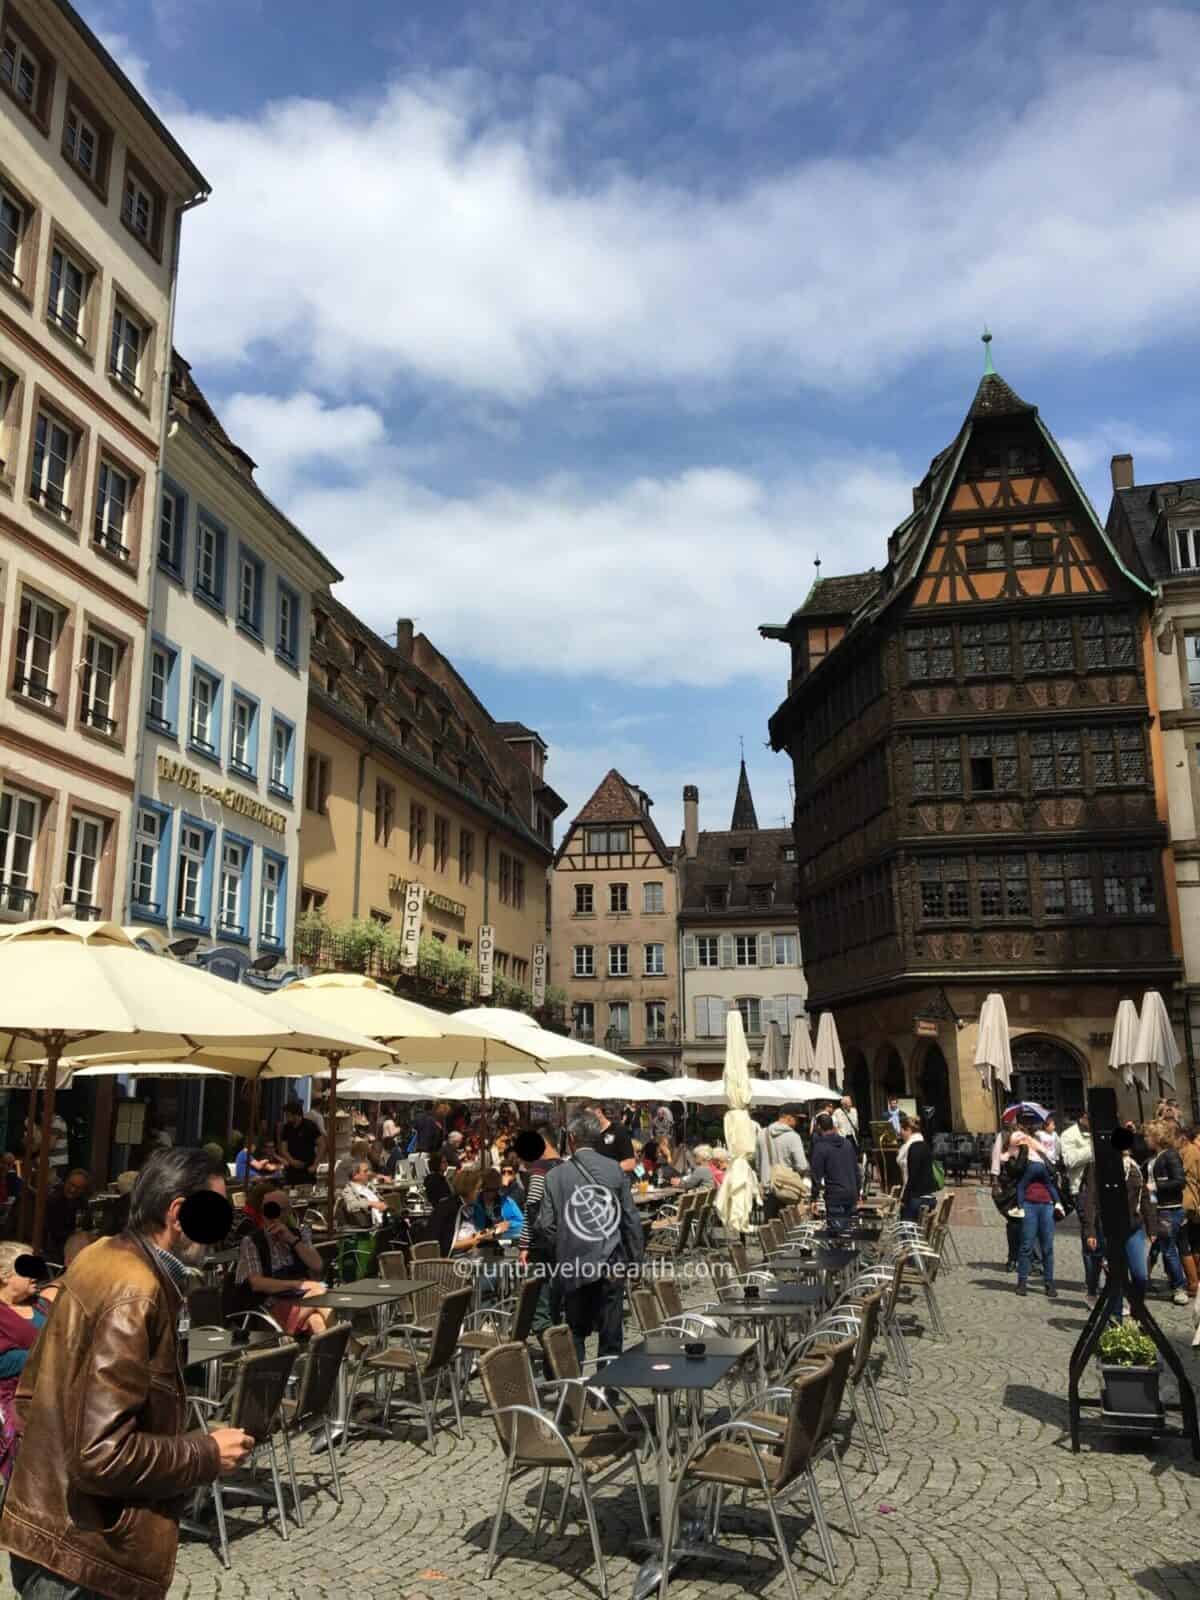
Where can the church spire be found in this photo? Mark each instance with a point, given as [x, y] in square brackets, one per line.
[743, 805]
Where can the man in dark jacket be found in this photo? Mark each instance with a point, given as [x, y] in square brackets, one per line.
[834, 1168]
[94, 1502]
[588, 1226]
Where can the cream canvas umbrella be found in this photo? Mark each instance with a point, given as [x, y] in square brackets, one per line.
[993, 1052]
[830, 1065]
[736, 1196]
[772, 1063]
[1122, 1053]
[782, 1091]
[1156, 1045]
[801, 1061]
[694, 1091]
[85, 988]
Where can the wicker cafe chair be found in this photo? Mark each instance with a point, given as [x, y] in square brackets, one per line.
[744, 1455]
[584, 1404]
[422, 1365]
[862, 1318]
[424, 1250]
[438, 1275]
[254, 1406]
[511, 1322]
[315, 1401]
[533, 1440]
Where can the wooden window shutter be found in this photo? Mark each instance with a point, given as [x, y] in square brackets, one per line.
[726, 950]
[766, 950]
[689, 949]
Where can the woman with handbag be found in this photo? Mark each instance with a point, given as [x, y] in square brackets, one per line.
[1041, 1207]
[1004, 1198]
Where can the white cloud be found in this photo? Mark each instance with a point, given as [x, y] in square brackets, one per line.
[1094, 449]
[658, 580]
[420, 234]
[287, 434]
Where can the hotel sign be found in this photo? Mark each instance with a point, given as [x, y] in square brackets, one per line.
[410, 926]
[539, 974]
[245, 805]
[487, 956]
[436, 902]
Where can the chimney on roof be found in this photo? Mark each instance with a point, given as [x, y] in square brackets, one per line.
[404, 637]
[1121, 468]
[691, 820]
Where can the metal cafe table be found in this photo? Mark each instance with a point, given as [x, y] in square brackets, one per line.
[660, 1365]
[208, 1347]
[768, 1310]
[820, 1263]
[366, 1294]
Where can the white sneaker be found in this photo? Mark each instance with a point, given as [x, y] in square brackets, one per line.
[1180, 1297]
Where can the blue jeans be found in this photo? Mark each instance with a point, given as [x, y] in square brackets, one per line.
[1169, 1244]
[911, 1210]
[36, 1583]
[1037, 1227]
[839, 1215]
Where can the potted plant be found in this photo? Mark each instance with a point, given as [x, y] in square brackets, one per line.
[1129, 1364]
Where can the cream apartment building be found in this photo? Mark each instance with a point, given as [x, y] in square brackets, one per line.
[92, 192]
[613, 905]
[216, 845]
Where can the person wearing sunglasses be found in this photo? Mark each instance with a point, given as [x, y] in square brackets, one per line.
[511, 1184]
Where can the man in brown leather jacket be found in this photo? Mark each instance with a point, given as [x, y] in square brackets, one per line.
[94, 1502]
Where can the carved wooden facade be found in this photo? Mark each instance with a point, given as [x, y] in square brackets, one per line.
[973, 764]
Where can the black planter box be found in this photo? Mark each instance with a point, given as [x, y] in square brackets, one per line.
[1132, 1393]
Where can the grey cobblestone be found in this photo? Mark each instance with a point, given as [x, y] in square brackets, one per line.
[982, 1499]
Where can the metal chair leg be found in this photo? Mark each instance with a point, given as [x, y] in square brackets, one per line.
[277, 1484]
[291, 1466]
[856, 1420]
[641, 1494]
[454, 1395]
[841, 1475]
[541, 1505]
[499, 1517]
[333, 1466]
[820, 1524]
[589, 1512]
[222, 1530]
[783, 1549]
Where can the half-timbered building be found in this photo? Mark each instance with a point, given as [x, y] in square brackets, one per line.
[977, 805]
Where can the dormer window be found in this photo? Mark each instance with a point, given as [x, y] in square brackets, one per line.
[739, 855]
[1186, 548]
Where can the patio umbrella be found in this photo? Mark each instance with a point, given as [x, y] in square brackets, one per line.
[736, 1196]
[993, 1053]
[1122, 1053]
[772, 1063]
[829, 1051]
[693, 1091]
[1156, 1045]
[781, 1091]
[86, 988]
[801, 1061]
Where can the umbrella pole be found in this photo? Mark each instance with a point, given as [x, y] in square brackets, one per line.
[27, 1159]
[53, 1053]
[252, 1131]
[1141, 1109]
[331, 1135]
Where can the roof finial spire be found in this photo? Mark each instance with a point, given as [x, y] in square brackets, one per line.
[817, 564]
[988, 368]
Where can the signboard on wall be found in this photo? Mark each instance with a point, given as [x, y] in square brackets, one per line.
[410, 925]
[487, 959]
[925, 1027]
[539, 974]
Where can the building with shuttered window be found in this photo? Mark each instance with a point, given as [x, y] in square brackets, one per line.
[739, 948]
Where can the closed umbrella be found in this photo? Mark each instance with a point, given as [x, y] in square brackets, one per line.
[86, 988]
[1122, 1053]
[782, 1091]
[736, 1196]
[772, 1063]
[830, 1065]
[801, 1061]
[993, 1053]
[1156, 1045]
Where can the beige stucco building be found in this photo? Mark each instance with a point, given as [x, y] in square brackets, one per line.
[92, 190]
[613, 910]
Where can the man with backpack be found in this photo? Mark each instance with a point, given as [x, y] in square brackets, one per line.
[588, 1226]
[782, 1161]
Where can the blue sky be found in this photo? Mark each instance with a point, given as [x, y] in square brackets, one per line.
[577, 332]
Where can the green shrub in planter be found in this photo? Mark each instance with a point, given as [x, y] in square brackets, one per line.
[1124, 1344]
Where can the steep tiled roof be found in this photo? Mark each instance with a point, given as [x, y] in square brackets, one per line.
[743, 805]
[711, 867]
[994, 398]
[614, 799]
[837, 597]
[1141, 507]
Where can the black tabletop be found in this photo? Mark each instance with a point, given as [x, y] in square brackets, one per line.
[822, 1261]
[214, 1344]
[867, 1235]
[372, 1286]
[779, 1295]
[347, 1300]
[659, 1363]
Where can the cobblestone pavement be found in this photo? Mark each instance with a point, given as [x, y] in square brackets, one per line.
[982, 1497]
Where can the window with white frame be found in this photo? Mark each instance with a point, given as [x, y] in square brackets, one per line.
[710, 1016]
[114, 493]
[39, 625]
[652, 898]
[9, 383]
[189, 890]
[287, 638]
[585, 902]
[20, 819]
[147, 848]
[618, 960]
[137, 208]
[54, 443]
[232, 887]
[85, 842]
[656, 1021]
[585, 961]
[1191, 651]
[583, 1019]
[202, 713]
[66, 304]
[13, 221]
[751, 1011]
[98, 682]
[19, 68]
[243, 736]
[618, 1020]
[210, 561]
[618, 897]
[708, 950]
[656, 960]
[281, 757]
[125, 347]
[1187, 549]
[171, 516]
[250, 583]
[785, 949]
[270, 925]
[158, 709]
[82, 142]
[745, 950]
